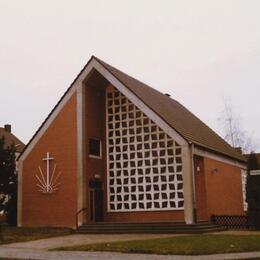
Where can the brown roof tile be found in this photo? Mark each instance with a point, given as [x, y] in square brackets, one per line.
[171, 111]
[176, 115]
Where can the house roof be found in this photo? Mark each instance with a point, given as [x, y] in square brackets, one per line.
[257, 155]
[171, 111]
[176, 115]
[11, 139]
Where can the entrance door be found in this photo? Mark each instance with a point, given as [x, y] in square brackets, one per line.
[96, 201]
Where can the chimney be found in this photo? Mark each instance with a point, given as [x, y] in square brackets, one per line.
[239, 149]
[7, 128]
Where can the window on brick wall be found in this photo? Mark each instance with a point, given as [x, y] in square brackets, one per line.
[94, 145]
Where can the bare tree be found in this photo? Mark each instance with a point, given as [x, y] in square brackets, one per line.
[233, 132]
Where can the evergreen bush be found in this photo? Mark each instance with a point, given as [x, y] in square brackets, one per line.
[8, 182]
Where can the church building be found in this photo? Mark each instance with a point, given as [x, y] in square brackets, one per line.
[116, 150]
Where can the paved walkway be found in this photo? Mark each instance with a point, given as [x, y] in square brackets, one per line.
[38, 249]
[74, 240]
[31, 254]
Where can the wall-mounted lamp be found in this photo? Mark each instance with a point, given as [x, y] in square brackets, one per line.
[197, 169]
[97, 176]
[214, 170]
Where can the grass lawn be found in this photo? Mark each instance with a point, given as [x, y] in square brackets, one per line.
[15, 234]
[181, 245]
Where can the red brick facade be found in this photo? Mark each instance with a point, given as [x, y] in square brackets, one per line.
[57, 209]
[218, 187]
[95, 127]
[223, 188]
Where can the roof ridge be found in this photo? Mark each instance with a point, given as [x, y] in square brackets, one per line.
[106, 64]
[169, 109]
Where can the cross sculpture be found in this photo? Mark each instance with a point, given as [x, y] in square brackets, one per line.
[48, 182]
[48, 159]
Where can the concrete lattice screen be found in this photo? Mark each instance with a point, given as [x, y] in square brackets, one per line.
[145, 164]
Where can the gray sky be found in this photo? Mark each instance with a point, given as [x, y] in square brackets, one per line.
[198, 51]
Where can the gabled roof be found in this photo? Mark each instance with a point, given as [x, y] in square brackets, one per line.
[11, 139]
[171, 111]
[176, 115]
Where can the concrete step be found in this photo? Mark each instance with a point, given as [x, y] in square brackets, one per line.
[123, 228]
[147, 227]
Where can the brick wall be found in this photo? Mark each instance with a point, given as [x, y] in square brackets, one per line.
[146, 216]
[95, 122]
[59, 140]
[223, 188]
[218, 192]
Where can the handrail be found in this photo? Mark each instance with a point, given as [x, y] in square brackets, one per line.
[77, 216]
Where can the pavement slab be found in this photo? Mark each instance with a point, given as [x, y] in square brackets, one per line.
[15, 253]
[75, 240]
[38, 249]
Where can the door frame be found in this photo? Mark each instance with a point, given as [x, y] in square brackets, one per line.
[95, 186]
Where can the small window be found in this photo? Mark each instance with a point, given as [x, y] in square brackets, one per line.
[94, 148]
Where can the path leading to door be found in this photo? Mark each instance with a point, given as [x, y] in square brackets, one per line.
[38, 249]
[74, 240]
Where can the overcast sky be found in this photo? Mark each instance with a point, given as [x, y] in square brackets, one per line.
[198, 51]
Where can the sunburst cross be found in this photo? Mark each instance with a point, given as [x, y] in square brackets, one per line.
[48, 183]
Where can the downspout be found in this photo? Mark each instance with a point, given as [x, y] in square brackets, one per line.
[193, 184]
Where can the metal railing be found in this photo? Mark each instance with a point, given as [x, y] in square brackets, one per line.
[232, 221]
[77, 216]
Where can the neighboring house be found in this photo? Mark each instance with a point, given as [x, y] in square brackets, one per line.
[253, 163]
[126, 153]
[10, 139]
